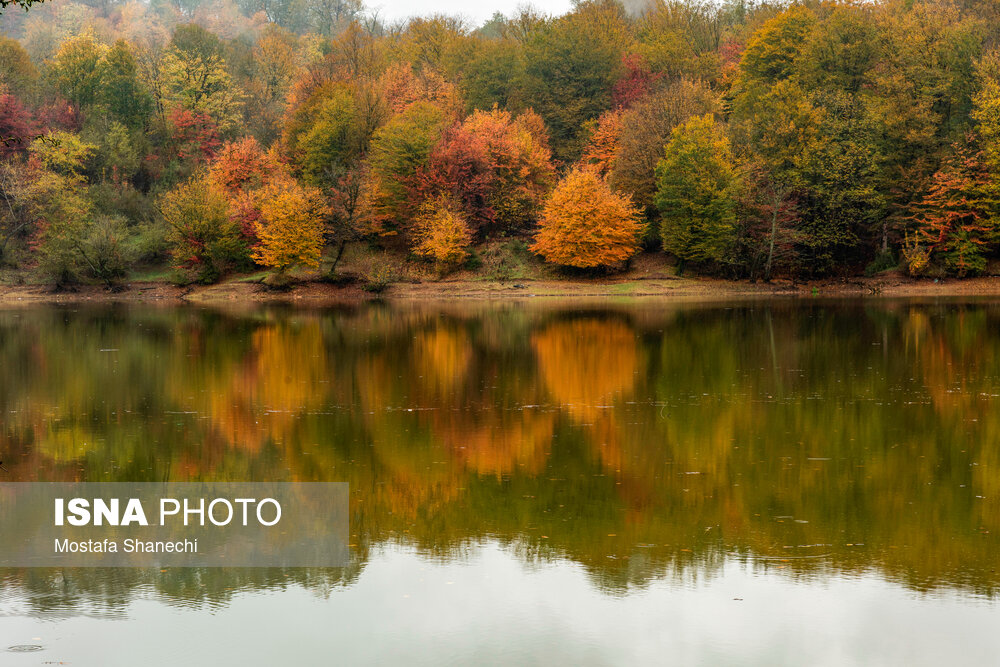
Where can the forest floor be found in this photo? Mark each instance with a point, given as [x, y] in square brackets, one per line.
[649, 276]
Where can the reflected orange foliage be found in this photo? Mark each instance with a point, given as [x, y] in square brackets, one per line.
[499, 443]
[587, 364]
[263, 399]
[442, 359]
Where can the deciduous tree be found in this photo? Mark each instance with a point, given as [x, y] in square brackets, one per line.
[243, 166]
[696, 192]
[324, 135]
[290, 227]
[17, 73]
[241, 169]
[586, 225]
[953, 220]
[75, 70]
[203, 237]
[120, 90]
[442, 234]
[63, 153]
[600, 151]
[570, 67]
[63, 214]
[17, 126]
[493, 165]
[195, 78]
[645, 130]
[18, 203]
[399, 152]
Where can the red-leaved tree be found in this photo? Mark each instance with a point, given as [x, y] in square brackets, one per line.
[494, 166]
[951, 219]
[636, 81]
[17, 127]
[194, 135]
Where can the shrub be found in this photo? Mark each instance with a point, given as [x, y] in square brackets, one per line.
[884, 261]
[149, 242]
[378, 272]
[504, 261]
[107, 249]
[916, 256]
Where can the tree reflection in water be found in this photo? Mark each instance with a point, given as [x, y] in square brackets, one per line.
[642, 441]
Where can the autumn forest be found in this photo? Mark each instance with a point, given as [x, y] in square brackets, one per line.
[744, 140]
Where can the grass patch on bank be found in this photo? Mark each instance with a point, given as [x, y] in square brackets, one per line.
[255, 277]
[154, 274]
[624, 288]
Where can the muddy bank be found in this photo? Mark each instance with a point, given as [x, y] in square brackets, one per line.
[317, 293]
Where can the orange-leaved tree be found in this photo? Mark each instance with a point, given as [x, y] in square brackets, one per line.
[238, 171]
[599, 153]
[401, 87]
[243, 165]
[585, 224]
[442, 233]
[290, 227]
[518, 156]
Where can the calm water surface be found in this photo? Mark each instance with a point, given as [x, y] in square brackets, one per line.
[760, 483]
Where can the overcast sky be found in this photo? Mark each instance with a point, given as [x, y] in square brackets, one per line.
[477, 11]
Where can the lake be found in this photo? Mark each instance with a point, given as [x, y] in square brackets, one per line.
[772, 482]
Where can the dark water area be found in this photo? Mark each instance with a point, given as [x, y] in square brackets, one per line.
[763, 482]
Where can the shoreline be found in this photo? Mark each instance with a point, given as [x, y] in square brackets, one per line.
[686, 289]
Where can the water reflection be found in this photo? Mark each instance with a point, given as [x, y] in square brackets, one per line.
[638, 441]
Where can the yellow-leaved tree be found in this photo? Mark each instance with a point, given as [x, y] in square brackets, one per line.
[585, 224]
[442, 233]
[290, 227]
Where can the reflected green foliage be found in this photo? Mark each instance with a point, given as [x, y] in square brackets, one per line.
[641, 441]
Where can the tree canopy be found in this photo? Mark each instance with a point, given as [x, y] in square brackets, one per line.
[750, 140]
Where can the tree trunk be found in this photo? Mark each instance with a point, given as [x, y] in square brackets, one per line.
[336, 259]
[775, 203]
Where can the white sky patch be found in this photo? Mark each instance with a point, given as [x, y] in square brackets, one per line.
[475, 12]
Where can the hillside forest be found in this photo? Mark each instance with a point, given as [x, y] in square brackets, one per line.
[744, 140]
